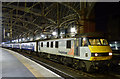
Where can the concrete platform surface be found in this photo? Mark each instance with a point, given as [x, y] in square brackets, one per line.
[14, 65]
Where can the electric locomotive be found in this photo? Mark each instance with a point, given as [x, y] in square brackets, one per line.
[85, 52]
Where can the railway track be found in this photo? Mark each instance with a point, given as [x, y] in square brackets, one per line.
[71, 73]
[62, 74]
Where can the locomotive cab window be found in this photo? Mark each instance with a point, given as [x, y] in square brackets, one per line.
[47, 44]
[104, 42]
[98, 42]
[68, 44]
[84, 42]
[94, 41]
[41, 44]
[51, 44]
[56, 44]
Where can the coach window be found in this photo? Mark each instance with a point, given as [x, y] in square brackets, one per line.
[56, 44]
[51, 44]
[47, 44]
[41, 44]
[68, 44]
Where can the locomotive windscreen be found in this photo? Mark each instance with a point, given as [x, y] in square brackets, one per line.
[98, 41]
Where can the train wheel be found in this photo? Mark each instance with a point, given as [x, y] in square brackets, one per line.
[64, 60]
[76, 64]
[91, 69]
[48, 56]
[83, 66]
[37, 54]
[59, 59]
[29, 52]
[40, 54]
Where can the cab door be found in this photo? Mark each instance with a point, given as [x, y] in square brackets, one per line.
[84, 49]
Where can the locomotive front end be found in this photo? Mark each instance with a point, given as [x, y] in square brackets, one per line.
[101, 52]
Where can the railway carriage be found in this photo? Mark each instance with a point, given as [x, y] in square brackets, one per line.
[7, 45]
[16, 46]
[29, 47]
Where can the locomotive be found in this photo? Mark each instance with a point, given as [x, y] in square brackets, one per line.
[86, 53]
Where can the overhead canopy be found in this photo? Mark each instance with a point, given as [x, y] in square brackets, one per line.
[26, 18]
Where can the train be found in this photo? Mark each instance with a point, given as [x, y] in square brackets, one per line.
[86, 52]
[115, 45]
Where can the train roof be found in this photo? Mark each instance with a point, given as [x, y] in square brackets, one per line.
[89, 35]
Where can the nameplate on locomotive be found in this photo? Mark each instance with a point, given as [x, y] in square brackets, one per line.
[62, 52]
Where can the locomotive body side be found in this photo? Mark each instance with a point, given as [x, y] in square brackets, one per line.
[57, 47]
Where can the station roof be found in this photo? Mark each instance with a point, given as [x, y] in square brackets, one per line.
[27, 18]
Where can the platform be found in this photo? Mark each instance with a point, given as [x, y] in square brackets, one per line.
[14, 65]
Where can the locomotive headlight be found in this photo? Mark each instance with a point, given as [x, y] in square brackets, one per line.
[96, 54]
[110, 53]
